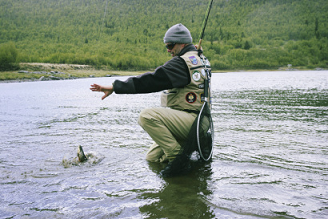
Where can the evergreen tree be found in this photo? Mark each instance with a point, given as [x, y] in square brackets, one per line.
[247, 46]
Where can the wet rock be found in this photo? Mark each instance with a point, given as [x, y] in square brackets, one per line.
[54, 78]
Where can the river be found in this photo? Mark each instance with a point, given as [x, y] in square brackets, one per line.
[270, 156]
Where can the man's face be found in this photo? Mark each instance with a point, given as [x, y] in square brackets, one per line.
[174, 49]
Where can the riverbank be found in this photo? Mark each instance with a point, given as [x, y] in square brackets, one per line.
[49, 71]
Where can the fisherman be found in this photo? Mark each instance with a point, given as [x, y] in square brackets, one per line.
[182, 81]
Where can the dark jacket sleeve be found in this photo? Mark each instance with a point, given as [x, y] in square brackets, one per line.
[172, 74]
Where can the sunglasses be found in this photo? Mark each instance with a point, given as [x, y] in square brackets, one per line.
[170, 46]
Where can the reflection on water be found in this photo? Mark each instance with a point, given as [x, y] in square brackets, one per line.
[180, 196]
[269, 161]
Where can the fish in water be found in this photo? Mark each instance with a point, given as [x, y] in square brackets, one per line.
[81, 155]
[89, 158]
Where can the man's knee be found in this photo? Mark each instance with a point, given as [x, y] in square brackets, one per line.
[145, 116]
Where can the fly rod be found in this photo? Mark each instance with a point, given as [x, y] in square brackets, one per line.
[204, 24]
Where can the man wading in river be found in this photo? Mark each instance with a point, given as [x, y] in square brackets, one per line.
[182, 80]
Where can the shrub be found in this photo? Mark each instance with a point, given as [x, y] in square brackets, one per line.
[8, 57]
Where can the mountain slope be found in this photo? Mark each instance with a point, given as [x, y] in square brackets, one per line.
[125, 34]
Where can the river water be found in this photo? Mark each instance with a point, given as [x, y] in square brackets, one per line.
[270, 156]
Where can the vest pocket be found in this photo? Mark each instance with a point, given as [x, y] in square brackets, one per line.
[168, 98]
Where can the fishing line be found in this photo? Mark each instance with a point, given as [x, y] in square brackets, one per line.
[103, 20]
[105, 12]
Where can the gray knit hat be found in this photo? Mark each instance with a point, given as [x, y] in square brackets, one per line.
[178, 34]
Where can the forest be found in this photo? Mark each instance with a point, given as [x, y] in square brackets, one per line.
[128, 34]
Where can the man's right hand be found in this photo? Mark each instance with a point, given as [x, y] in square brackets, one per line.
[108, 90]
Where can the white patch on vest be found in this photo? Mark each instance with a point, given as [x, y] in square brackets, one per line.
[196, 76]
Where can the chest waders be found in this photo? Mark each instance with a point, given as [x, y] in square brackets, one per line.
[201, 135]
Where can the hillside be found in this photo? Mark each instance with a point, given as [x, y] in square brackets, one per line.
[128, 34]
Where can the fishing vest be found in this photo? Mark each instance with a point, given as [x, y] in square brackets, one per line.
[191, 96]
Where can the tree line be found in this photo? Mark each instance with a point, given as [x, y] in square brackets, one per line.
[128, 35]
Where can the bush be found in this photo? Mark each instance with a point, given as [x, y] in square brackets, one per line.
[8, 57]
[219, 65]
[260, 64]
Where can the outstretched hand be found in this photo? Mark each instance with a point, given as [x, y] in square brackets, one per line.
[108, 90]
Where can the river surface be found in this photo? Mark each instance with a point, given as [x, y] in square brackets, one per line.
[270, 156]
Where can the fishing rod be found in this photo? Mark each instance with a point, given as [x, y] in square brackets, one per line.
[201, 36]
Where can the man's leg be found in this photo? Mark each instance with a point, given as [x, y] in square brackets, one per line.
[156, 154]
[167, 127]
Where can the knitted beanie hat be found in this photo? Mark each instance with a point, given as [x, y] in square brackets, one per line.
[178, 34]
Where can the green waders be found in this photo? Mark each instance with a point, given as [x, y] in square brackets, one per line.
[169, 129]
